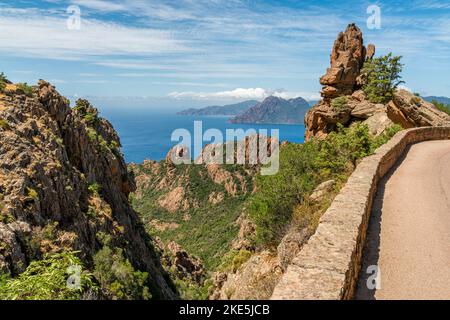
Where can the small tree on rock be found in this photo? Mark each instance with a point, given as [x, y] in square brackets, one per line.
[383, 76]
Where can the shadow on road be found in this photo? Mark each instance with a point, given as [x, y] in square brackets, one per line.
[371, 253]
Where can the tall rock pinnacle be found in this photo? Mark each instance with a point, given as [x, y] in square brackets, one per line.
[347, 59]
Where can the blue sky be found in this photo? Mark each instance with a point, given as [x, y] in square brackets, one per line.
[196, 52]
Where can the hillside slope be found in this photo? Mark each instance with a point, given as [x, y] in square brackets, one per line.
[64, 187]
[196, 206]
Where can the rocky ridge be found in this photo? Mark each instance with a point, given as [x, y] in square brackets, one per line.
[275, 110]
[63, 183]
[227, 110]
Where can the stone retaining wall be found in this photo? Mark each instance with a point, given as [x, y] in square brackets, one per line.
[328, 266]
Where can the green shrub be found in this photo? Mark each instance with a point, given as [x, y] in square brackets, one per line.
[82, 105]
[233, 260]
[271, 206]
[386, 136]
[59, 141]
[32, 193]
[92, 134]
[46, 280]
[113, 145]
[344, 147]
[302, 168]
[3, 81]
[87, 110]
[191, 291]
[339, 104]
[25, 89]
[94, 189]
[117, 277]
[103, 144]
[383, 77]
[93, 137]
[91, 116]
[4, 124]
[441, 106]
[3, 77]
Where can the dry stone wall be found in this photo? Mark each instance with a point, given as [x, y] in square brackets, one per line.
[328, 266]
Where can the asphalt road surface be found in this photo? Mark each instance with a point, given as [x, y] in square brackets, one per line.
[409, 232]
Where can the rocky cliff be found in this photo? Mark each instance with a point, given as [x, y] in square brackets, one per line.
[275, 110]
[64, 185]
[344, 102]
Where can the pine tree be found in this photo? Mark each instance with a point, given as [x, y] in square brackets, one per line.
[383, 77]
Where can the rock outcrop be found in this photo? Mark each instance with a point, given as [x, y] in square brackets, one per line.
[347, 59]
[344, 102]
[322, 190]
[343, 78]
[180, 263]
[254, 281]
[412, 111]
[257, 277]
[63, 181]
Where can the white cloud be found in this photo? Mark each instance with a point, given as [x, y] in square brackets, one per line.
[49, 37]
[242, 94]
[101, 5]
[239, 93]
[310, 96]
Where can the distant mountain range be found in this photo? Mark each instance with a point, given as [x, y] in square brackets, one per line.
[312, 103]
[444, 100]
[275, 110]
[228, 110]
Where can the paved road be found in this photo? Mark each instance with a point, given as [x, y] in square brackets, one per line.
[409, 231]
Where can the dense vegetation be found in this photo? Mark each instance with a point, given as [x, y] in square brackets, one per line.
[302, 168]
[47, 279]
[383, 77]
[204, 229]
[339, 104]
[117, 277]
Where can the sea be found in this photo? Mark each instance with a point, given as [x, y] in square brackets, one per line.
[146, 134]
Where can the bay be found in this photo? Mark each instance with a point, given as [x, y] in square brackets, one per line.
[146, 134]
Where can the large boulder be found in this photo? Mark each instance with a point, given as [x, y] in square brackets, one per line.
[186, 266]
[322, 190]
[322, 119]
[364, 109]
[411, 111]
[254, 280]
[378, 123]
[290, 245]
